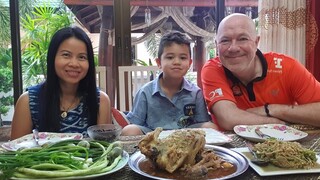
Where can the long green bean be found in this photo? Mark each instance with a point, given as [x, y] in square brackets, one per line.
[62, 159]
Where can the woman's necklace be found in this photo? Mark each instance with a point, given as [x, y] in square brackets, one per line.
[64, 113]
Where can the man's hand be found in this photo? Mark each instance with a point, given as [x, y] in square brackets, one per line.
[258, 110]
[261, 111]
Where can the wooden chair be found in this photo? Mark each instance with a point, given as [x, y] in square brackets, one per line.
[131, 79]
[101, 74]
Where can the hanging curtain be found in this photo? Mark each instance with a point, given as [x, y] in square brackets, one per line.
[180, 16]
[283, 27]
[312, 39]
[152, 30]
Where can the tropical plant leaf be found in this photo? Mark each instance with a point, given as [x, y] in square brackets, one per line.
[39, 29]
[5, 27]
[141, 62]
[152, 45]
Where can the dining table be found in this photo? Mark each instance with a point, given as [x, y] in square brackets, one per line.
[130, 146]
[312, 140]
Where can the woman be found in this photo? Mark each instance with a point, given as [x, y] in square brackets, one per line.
[68, 100]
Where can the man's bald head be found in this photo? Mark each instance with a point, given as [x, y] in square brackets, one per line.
[237, 19]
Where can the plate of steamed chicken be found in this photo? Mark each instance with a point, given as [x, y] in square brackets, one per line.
[184, 155]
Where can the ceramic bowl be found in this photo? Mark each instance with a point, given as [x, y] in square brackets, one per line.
[104, 132]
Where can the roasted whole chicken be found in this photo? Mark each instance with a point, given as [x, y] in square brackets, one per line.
[183, 150]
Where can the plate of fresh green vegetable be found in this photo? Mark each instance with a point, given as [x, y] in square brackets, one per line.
[68, 159]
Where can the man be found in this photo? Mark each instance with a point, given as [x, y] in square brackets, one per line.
[244, 86]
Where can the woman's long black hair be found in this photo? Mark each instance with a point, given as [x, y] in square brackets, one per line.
[50, 92]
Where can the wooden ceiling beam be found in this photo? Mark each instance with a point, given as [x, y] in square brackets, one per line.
[91, 16]
[87, 10]
[94, 22]
[196, 3]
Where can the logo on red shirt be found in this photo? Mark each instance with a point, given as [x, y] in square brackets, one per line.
[236, 90]
[216, 93]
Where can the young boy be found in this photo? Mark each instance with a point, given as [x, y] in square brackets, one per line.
[169, 101]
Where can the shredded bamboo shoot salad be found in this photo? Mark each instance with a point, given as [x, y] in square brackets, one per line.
[62, 159]
[286, 154]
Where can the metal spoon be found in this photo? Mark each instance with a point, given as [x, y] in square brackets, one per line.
[256, 160]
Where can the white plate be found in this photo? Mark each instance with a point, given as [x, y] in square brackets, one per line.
[27, 141]
[212, 136]
[272, 170]
[124, 160]
[284, 132]
[232, 156]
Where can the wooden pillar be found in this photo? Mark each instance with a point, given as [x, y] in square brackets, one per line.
[122, 23]
[200, 58]
[16, 49]
[200, 50]
[122, 50]
[220, 11]
[106, 50]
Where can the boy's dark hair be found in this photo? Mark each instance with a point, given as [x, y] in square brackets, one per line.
[173, 37]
